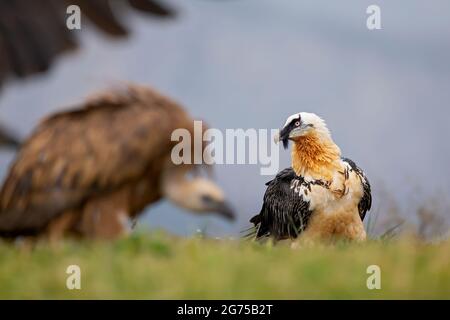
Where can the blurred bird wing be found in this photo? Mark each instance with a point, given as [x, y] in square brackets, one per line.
[8, 139]
[34, 33]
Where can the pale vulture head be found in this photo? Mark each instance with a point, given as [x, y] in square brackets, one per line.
[194, 192]
[300, 125]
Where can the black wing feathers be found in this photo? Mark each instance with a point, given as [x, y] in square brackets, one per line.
[365, 203]
[284, 213]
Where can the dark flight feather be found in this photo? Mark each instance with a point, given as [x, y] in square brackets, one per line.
[7, 139]
[34, 33]
[101, 14]
[153, 7]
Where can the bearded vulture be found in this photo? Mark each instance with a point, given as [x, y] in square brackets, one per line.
[90, 170]
[322, 196]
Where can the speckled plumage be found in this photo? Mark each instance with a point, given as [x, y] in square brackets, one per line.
[284, 214]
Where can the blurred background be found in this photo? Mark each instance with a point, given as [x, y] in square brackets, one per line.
[251, 63]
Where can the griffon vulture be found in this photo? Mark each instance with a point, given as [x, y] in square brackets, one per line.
[90, 170]
[322, 196]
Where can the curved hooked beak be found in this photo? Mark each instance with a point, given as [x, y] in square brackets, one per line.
[224, 209]
[282, 135]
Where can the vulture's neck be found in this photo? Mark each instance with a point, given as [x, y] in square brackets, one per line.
[315, 155]
[174, 184]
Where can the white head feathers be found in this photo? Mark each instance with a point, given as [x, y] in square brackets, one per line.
[312, 120]
[292, 117]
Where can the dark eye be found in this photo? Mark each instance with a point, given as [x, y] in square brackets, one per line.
[297, 123]
[207, 198]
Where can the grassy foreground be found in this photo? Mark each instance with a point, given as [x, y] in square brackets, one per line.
[160, 266]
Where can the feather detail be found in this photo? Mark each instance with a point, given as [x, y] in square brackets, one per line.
[315, 156]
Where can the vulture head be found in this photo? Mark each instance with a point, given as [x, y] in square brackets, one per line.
[300, 125]
[195, 193]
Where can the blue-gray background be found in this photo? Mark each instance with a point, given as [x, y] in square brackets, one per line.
[251, 63]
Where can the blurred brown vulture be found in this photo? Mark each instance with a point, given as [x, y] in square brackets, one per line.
[90, 170]
[34, 33]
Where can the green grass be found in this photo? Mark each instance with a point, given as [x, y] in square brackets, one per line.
[157, 265]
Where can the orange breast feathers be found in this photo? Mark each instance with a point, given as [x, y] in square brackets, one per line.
[315, 156]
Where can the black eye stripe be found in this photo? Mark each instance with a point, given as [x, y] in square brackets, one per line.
[295, 120]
